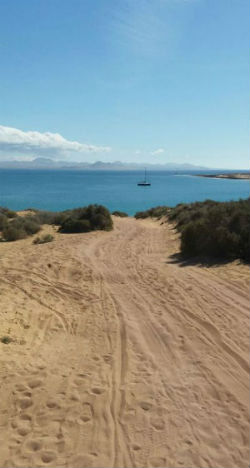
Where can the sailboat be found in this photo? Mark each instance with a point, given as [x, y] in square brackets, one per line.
[144, 182]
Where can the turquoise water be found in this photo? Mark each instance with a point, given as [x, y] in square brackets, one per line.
[60, 190]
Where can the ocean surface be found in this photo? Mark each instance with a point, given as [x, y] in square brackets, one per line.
[58, 190]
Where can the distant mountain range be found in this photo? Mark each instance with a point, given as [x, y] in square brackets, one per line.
[46, 163]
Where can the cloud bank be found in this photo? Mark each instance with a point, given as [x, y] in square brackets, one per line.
[13, 140]
[158, 151]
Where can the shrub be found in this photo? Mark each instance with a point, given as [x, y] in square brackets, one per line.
[190, 244]
[19, 228]
[120, 214]
[59, 218]
[12, 233]
[44, 239]
[217, 229]
[98, 221]
[82, 219]
[210, 228]
[6, 339]
[8, 213]
[29, 226]
[156, 212]
[3, 221]
[71, 225]
[92, 217]
[47, 217]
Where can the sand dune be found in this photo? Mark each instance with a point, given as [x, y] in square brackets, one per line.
[121, 357]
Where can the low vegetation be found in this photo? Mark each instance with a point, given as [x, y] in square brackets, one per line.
[5, 339]
[85, 219]
[156, 212]
[90, 218]
[214, 229]
[8, 213]
[5, 215]
[120, 214]
[43, 239]
[19, 228]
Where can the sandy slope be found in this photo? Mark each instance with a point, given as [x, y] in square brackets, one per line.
[121, 358]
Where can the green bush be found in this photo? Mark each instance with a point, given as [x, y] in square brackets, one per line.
[8, 213]
[217, 229]
[99, 221]
[84, 219]
[44, 239]
[5, 339]
[49, 217]
[156, 212]
[90, 218]
[3, 221]
[210, 228]
[29, 226]
[75, 225]
[120, 214]
[12, 233]
[19, 228]
[59, 218]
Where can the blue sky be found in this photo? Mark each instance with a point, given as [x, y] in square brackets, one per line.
[133, 80]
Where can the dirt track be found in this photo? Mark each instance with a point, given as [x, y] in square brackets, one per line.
[121, 357]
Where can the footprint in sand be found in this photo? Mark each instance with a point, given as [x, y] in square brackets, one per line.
[97, 390]
[25, 417]
[136, 447]
[80, 380]
[35, 383]
[157, 462]
[24, 403]
[52, 404]
[157, 423]
[82, 376]
[34, 445]
[87, 413]
[48, 456]
[23, 430]
[21, 388]
[145, 405]
[74, 396]
[107, 358]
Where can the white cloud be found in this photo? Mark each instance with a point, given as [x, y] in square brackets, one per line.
[13, 140]
[158, 151]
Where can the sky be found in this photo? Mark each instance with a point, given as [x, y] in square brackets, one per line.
[153, 81]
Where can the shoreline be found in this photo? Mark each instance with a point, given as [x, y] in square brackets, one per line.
[233, 176]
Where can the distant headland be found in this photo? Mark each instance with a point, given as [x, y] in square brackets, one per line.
[232, 175]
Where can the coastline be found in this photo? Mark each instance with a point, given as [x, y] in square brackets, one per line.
[234, 176]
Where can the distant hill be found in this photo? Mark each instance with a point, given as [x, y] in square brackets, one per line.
[47, 163]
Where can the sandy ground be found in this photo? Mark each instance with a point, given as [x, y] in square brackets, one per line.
[235, 175]
[120, 356]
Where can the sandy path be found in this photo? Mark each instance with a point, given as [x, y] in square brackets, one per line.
[120, 357]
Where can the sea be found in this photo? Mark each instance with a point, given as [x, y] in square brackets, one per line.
[58, 190]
